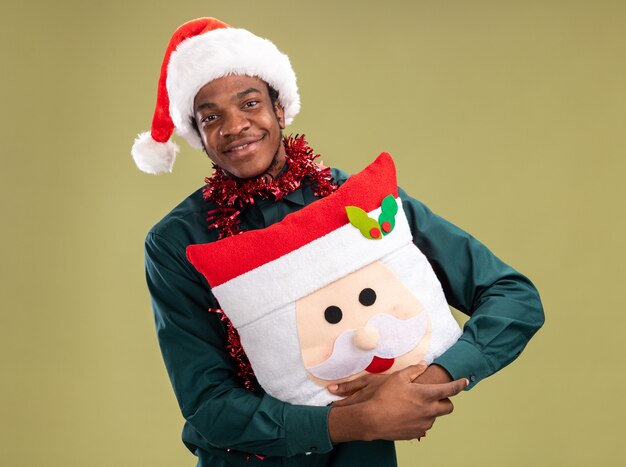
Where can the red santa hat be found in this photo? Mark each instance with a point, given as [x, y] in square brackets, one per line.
[199, 52]
[308, 250]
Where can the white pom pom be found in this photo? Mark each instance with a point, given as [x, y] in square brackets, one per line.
[153, 157]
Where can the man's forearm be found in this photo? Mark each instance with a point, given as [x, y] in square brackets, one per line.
[434, 374]
[350, 423]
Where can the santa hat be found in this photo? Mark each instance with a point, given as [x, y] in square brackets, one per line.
[308, 250]
[199, 52]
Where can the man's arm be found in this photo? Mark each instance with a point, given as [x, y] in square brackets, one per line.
[193, 345]
[212, 401]
[504, 307]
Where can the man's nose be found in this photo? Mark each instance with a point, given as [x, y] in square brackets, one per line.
[234, 123]
[366, 338]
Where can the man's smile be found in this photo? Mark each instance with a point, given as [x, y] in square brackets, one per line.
[242, 146]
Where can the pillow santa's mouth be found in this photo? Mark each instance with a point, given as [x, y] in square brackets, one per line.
[378, 364]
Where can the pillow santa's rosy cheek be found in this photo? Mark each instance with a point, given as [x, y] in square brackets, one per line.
[317, 337]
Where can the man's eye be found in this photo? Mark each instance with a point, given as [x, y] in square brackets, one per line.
[251, 103]
[333, 314]
[209, 118]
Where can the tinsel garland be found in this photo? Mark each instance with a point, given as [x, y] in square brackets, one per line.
[235, 351]
[232, 195]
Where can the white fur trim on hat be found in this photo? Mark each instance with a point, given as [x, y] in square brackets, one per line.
[153, 157]
[221, 52]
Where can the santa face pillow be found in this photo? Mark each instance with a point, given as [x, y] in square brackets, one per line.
[335, 291]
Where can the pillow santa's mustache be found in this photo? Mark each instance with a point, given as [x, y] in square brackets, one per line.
[397, 337]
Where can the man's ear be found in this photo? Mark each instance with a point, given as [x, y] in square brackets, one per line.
[280, 114]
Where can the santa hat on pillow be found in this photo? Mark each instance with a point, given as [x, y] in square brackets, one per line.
[199, 52]
[308, 250]
[259, 275]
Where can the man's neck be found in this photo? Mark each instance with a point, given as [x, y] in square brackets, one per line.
[277, 165]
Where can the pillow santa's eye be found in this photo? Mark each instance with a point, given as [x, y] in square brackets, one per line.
[367, 297]
[333, 314]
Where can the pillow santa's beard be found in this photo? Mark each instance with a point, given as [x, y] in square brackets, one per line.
[397, 337]
[273, 346]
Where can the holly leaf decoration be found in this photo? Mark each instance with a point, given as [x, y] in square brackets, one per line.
[368, 227]
[387, 217]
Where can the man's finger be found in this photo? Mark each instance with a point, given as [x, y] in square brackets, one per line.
[346, 401]
[411, 372]
[349, 387]
[445, 390]
[445, 407]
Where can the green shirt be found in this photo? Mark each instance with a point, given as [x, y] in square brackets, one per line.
[226, 424]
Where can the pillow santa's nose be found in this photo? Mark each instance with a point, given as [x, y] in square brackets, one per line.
[367, 337]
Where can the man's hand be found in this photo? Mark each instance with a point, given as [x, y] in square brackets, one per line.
[357, 390]
[401, 410]
[396, 410]
[363, 388]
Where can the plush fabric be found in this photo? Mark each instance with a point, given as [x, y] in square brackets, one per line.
[152, 156]
[259, 247]
[317, 300]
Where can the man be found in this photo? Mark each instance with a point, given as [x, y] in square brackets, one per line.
[232, 93]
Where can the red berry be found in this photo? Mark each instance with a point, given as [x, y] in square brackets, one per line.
[386, 227]
[374, 232]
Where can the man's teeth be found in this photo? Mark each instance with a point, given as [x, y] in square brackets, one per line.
[237, 148]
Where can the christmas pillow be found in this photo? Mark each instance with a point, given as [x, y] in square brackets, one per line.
[332, 292]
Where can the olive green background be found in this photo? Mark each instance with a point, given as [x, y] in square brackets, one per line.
[506, 117]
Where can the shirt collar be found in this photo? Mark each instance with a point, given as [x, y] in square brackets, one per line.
[296, 197]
